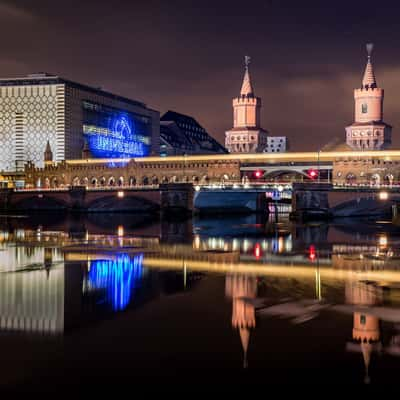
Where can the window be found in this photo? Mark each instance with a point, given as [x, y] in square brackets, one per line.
[364, 108]
[362, 319]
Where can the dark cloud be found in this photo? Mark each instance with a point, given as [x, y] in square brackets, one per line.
[307, 56]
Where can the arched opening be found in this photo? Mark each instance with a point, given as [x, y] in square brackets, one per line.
[185, 179]
[38, 183]
[351, 178]
[111, 181]
[145, 180]
[164, 179]
[75, 181]
[85, 181]
[94, 181]
[205, 180]
[224, 178]
[121, 181]
[389, 179]
[154, 180]
[375, 179]
[173, 179]
[195, 179]
[102, 181]
[132, 181]
[54, 182]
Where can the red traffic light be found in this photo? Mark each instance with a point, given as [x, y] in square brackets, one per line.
[312, 173]
[258, 174]
[257, 251]
[312, 253]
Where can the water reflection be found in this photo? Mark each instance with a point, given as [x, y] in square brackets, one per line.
[241, 289]
[118, 277]
[59, 276]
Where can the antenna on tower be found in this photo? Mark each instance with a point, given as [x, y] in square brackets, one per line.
[247, 61]
[370, 47]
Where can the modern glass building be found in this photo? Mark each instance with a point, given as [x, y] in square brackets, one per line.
[72, 117]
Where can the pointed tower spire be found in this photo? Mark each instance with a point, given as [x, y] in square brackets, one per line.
[369, 80]
[48, 154]
[247, 89]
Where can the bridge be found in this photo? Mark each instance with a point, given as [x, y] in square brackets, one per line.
[169, 197]
[337, 167]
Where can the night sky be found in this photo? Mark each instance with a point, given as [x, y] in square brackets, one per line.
[307, 56]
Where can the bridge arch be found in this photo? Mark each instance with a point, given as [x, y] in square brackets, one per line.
[75, 181]
[132, 181]
[102, 181]
[351, 178]
[111, 181]
[93, 181]
[145, 180]
[121, 181]
[85, 181]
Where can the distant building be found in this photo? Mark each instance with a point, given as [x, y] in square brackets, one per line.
[369, 132]
[276, 144]
[246, 136]
[182, 134]
[45, 112]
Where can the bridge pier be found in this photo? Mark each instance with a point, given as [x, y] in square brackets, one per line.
[176, 198]
[310, 201]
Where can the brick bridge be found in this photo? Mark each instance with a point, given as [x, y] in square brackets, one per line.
[165, 197]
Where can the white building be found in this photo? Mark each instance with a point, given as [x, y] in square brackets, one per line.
[276, 144]
[41, 108]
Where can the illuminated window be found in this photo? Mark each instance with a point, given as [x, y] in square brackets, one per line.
[364, 108]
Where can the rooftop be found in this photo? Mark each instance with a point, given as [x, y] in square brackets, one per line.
[44, 78]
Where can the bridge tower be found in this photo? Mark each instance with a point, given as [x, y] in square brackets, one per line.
[368, 132]
[246, 136]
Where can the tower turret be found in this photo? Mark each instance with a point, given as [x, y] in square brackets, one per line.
[368, 131]
[246, 136]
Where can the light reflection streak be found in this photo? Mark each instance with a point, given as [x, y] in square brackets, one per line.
[118, 276]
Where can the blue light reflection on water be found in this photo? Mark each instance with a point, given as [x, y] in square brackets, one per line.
[119, 277]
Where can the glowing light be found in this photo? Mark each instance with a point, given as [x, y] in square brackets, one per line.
[258, 174]
[119, 277]
[257, 251]
[383, 241]
[280, 188]
[311, 253]
[197, 188]
[383, 195]
[120, 231]
[120, 194]
[312, 173]
[114, 134]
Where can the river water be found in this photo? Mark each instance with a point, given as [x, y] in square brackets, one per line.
[111, 298]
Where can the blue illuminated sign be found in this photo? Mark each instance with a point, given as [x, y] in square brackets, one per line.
[119, 277]
[114, 134]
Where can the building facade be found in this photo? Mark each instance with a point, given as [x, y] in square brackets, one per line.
[246, 136]
[276, 144]
[369, 131]
[181, 134]
[42, 108]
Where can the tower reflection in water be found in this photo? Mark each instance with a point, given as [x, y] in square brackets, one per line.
[242, 288]
[118, 277]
